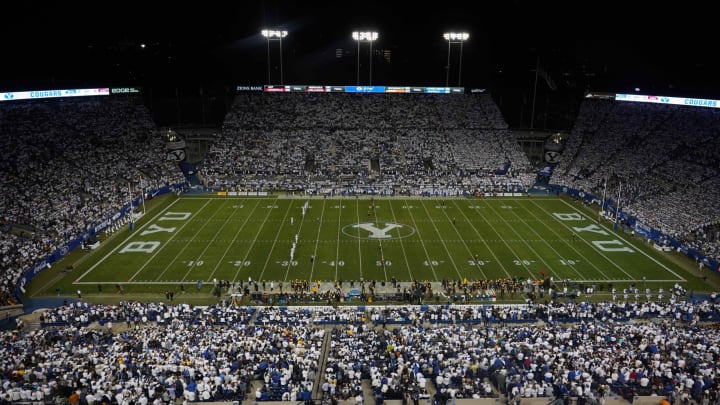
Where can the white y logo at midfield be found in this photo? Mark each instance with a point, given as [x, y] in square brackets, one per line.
[376, 232]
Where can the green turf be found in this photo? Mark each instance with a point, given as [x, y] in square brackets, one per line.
[206, 238]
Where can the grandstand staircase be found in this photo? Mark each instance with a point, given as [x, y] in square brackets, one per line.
[201, 179]
[375, 165]
[320, 376]
[309, 165]
[428, 164]
[317, 394]
[574, 157]
[10, 311]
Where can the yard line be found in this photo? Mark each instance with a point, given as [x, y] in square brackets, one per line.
[402, 246]
[232, 242]
[551, 229]
[300, 225]
[626, 280]
[166, 243]
[337, 239]
[357, 214]
[120, 245]
[460, 238]
[382, 252]
[422, 242]
[253, 240]
[483, 240]
[643, 253]
[272, 248]
[442, 241]
[521, 261]
[583, 239]
[317, 242]
[539, 256]
[200, 197]
[193, 240]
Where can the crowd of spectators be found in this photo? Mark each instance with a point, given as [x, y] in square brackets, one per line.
[85, 157]
[68, 164]
[228, 352]
[383, 143]
[659, 162]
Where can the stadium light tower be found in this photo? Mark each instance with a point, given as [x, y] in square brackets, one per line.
[454, 38]
[368, 36]
[274, 35]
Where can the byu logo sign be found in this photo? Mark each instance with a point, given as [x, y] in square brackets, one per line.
[377, 232]
[552, 156]
[373, 230]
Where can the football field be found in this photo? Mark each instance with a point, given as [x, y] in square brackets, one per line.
[196, 240]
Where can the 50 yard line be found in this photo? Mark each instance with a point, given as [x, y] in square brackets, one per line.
[382, 253]
[360, 255]
[402, 246]
[422, 242]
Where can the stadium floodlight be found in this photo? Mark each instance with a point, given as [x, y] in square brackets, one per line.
[274, 35]
[454, 38]
[367, 36]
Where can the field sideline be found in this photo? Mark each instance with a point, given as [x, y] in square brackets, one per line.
[193, 241]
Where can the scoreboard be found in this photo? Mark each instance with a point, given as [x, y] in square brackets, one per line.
[357, 89]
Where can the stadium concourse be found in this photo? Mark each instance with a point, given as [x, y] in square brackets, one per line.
[154, 352]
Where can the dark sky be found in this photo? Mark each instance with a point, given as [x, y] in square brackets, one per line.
[216, 45]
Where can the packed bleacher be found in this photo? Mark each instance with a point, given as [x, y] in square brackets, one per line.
[71, 163]
[67, 165]
[346, 143]
[181, 352]
[659, 160]
[383, 143]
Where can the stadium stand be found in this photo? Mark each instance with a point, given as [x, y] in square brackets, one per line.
[340, 143]
[151, 352]
[69, 165]
[661, 159]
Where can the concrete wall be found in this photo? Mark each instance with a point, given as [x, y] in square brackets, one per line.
[612, 400]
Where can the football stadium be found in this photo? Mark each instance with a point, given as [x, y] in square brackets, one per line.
[351, 244]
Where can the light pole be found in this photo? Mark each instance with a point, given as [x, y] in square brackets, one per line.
[368, 36]
[357, 38]
[274, 35]
[457, 38]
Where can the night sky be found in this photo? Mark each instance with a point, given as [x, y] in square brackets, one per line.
[213, 46]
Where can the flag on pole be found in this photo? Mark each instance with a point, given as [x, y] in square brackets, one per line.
[548, 80]
[142, 193]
